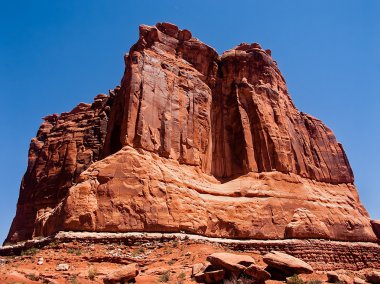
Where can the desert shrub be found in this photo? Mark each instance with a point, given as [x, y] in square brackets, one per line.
[92, 272]
[182, 275]
[242, 279]
[54, 244]
[138, 251]
[165, 277]
[31, 251]
[74, 251]
[172, 261]
[32, 277]
[73, 279]
[168, 251]
[314, 282]
[295, 279]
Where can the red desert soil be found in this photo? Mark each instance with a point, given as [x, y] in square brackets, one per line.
[169, 262]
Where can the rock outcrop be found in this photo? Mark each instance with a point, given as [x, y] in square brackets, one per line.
[286, 264]
[232, 262]
[191, 141]
[123, 275]
[65, 146]
[376, 227]
[228, 267]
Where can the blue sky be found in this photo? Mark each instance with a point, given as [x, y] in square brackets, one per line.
[55, 54]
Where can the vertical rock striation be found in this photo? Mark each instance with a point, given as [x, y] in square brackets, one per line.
[258, 129]
[191, 141]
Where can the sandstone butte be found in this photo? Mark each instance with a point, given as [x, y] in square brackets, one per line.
[191, 142]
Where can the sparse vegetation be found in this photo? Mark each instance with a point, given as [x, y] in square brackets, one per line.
[172, 261]
[164, 277]
[32, 277]
[73, 279]
[54, 244]
[138, 251]
[242, 279]
[314, 282]
[74, 251]
[295, 279]
[92, 272]
[181, 277]
[168, 251]
[31, 251]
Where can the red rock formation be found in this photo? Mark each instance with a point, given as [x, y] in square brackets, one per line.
[165, 100]
[183, 122]
[257, 127]
[65, 146]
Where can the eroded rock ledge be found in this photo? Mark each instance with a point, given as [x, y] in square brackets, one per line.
[320, 254]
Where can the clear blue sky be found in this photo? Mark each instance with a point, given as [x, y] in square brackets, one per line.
[55, 54]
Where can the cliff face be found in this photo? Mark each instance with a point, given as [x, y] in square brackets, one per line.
[191, 141]
[65, 146]
[230, 115]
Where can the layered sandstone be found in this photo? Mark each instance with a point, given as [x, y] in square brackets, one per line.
[195, 142]
[65, 146]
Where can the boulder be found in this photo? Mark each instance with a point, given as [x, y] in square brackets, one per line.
[334, 277]
[376, 227]
[232, 262]
[40, 261]
[122, 275]
[214, 276]
[358, 280]
[373, 277]
[257, 273]
[288, 264]
[62, 267]
[208, 273]
[197, 268]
